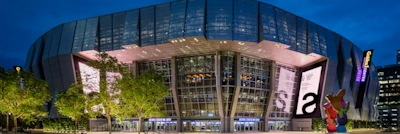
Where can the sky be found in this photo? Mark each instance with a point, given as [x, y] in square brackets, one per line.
[370, 24]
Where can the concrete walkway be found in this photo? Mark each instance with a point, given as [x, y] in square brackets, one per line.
[356, 131]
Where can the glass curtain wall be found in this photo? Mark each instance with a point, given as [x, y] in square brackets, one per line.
[164, 67]
[228, 76]
[196, 89]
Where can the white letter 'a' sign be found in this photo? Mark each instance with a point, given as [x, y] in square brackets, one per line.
[285, 89]
[308, 94]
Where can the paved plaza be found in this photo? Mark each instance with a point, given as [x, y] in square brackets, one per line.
[357, 131]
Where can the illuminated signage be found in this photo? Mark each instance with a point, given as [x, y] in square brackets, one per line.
[366, 62]
[249, 119]
[159, 119]
[359, 74]
[308, 93]
[285, 89]
[367, 59]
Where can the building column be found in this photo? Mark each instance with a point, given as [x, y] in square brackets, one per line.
[271, 96]
[134, 69]
[237, 90]
[175, 95]
[219, 92]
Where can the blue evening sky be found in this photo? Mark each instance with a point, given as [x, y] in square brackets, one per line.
[370, 24]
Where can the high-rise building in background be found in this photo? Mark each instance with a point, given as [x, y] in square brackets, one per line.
[231, 65]
[389, 96]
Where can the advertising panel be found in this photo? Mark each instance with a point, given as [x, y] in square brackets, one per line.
[366, 62]
[91, 82]
[308, 94]
[285, 89]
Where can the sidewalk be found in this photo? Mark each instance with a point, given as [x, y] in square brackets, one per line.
[355, 131]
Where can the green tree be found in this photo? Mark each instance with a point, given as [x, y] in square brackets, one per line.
[3, 80]
[142, 96]
[108, 95]
[69, 103]
[23, 96]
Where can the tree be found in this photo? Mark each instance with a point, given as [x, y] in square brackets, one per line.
[3, 80]
[69, 103]
[143, 96]
[23, 96]
[107, 96]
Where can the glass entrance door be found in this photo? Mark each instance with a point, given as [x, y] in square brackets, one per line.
[201, 126]
[247, 126]
[279, 125]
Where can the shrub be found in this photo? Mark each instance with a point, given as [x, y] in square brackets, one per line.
[63, 125]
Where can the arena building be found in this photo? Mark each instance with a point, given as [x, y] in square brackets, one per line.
[232, 65]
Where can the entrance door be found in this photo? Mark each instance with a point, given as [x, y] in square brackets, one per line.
[279, 125]
[247, 126]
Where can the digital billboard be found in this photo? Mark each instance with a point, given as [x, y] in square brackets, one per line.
[308, 94]
[285, 89]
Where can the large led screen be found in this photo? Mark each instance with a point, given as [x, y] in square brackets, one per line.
[285, 89]
[308, 93]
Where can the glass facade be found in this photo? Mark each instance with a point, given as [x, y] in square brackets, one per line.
[267, 22]
[219, 19]
[163, 67]
[195, 18]
[55, 41]
[79, 36]
[389, 100]
[228, 82]
[118, 25]
[301, 35]
[240, 100]
[177, 19]
[67, 38]
[255, 87]
[131, 30]
[196, 86]
[245, 24]
[105, 33]
[91, 37]
[147, 26]
[162, 23]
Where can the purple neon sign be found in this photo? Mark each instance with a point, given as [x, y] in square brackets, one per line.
[364, 72]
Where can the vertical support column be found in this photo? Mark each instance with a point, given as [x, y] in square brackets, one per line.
[271, 96]
[134, 68]
[237, 90]
[219, 93]
[175, 95]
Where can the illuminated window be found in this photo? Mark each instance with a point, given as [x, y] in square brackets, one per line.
[381, 73]
[394, 114]
[385, 114]
[381, 91]
[383, 82]
[394, 109]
